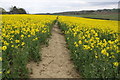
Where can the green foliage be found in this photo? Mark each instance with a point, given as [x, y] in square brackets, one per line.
[15, 10]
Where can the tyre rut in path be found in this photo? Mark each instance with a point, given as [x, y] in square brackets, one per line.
[56, 62]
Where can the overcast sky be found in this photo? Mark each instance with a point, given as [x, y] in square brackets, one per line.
[51, 6]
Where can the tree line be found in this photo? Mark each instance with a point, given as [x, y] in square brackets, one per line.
[13, 10]
[89, 12]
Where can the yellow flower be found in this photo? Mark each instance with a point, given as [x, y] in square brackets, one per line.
[80, 42]
[113, 56]
[76, 45]
[96, 34]
[8, 71]
[43, 31]
[116, 64]
[96, 56]
[12, 45]
[17, 41]
[4, 48]
[68, 38]
[28, 35]
[6, 43]
[0, 58]
[97, 38]
[110, 42]
[86, 47]
[23, 43]
[36, 38]
[0, 72]
[107, 48]
[16, 46]
[104, 52]
[22, 36]
[83, 37]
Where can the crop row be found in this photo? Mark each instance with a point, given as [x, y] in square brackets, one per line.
[94, 46]
[21, 40]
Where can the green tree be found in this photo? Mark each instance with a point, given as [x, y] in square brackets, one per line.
[2, 11]
[15, 10]
[21, 11]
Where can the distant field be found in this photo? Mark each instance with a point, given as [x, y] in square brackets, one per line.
[99, 16]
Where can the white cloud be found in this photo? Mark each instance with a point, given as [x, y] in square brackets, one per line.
[41, 6]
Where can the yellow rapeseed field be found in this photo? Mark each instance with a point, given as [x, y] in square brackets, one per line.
[94, 45]
[21, 36]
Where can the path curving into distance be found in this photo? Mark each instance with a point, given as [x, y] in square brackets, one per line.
[56, 62]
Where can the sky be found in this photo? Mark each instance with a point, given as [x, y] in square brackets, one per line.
[52, 6]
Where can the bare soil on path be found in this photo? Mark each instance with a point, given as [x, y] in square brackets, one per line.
[56, 62]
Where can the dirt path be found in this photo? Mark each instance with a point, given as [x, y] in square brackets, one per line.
[56, 61]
